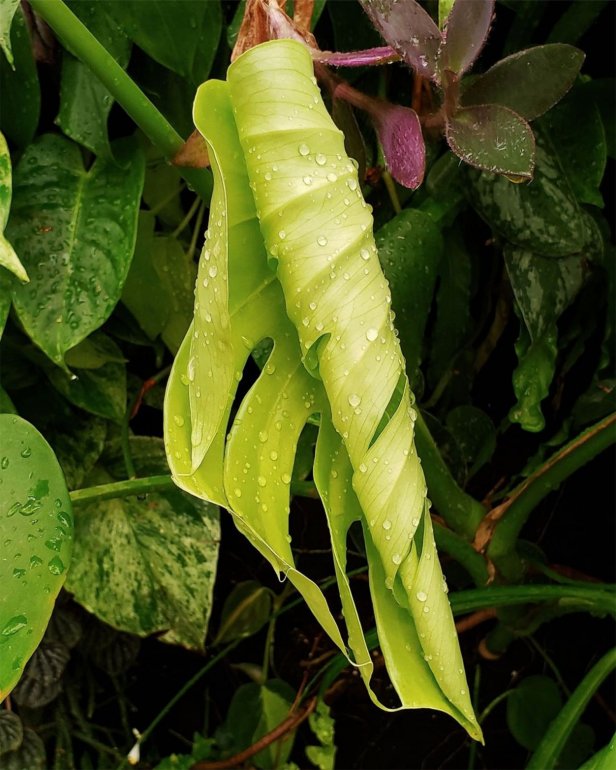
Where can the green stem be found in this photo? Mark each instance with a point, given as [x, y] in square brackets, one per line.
[461, 551]
[461, 511]
[596, 598]
[180, 694]
[124, 90]
[163, 483]
[552, 743]
[546, 479]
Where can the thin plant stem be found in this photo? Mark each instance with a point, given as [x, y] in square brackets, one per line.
[180, 694]
[504, 524]
[547, 753]
[148, 484]
[81, 42]
[532, 642]
[190, 214]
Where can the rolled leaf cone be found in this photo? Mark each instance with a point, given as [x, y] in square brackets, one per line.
[290, 256]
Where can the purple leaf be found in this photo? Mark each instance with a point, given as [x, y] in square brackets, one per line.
[528, 82]
[409, 30]
[403, 145]
[493, 138]
[371, 56]
[465, 34]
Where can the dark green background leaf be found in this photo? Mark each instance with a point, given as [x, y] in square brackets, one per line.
[85, 103]
[528, 82]
[20, 98]
[75, 239]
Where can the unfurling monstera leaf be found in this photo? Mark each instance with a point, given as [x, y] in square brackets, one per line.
[290, 258]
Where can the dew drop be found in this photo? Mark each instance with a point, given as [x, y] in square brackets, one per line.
[321, 159]
[421, 596]
[262, 481]
[213, 271]
[364, 254]
[354, 400]
[263, 436]
[396, 558]
[322, 240]
[303, 150]
[387, 524]
[178, 420]
[371, 335]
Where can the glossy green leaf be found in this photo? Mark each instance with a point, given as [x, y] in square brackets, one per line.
[7, 11]
[147, 566]
[179, 34]
[245, 611]
[11, 731]
[20, 98]
[543, 216]
[101, 390]
[5, 299]
[531, 707]
[85, 103]
[493, 138]
[444, 8]
[528, 82]
[8, 258]
[6, 405]
[543, 288]
[410, 247]
[576, 135]
[75, 239]
[453, 297]
[254, 711]
[36, 529]
[297, 206]
[30, 755]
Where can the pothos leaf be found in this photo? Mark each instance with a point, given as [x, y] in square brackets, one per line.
[36, 530]
[7, 11]
[296, 205]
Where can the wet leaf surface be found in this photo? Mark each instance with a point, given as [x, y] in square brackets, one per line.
[36, 529]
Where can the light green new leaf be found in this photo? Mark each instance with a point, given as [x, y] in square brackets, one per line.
[147, 566]
[36, 530]
[75, 231]
[296, 207]
[7, 11]
[8, 258]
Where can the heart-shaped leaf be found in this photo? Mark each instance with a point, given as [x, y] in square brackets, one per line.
[528, 82]
[147, 566]
[75, 240]
[29, 756]
[36, 529]
[493, 138]
[465, 34]
[297, 205]
[11, 731]
[409, 30]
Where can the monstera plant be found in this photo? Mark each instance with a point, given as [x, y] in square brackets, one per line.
[290, 259]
